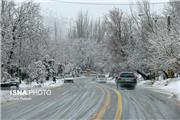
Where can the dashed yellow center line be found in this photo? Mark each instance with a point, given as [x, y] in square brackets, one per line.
[105, 105]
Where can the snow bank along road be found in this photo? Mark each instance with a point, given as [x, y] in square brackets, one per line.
[89, 100]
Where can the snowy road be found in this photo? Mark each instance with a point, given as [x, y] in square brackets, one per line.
[144, 104]
[88, 100]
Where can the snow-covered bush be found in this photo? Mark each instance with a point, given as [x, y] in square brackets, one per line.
[49, 66]
[5, 76]
[37, 71]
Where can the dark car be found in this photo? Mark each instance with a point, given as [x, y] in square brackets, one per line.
[126, 79]
[10, 84]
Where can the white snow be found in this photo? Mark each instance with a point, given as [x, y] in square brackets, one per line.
[47, 84]
[4, 93]
[147, 82]
[169, 86]
[23, 85]
[111, 80]
[4, 96]
[59, 82]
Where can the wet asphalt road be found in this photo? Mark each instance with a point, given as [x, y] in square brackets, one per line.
[86, 99]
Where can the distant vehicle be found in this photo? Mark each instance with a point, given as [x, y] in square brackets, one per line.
[126, 79]
[68, 78]
[11, 83]
[101, 78]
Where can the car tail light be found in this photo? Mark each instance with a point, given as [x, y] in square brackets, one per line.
[135, 79]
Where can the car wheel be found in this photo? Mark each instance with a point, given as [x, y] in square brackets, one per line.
[133, 87]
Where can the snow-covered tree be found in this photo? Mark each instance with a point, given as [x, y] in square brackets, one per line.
[37, 71]
[49, 65]
[87, 38]
[23, 33]
[164, 39]
[120, 36]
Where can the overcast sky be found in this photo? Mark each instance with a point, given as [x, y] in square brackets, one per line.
[66, 11]
[96, 8]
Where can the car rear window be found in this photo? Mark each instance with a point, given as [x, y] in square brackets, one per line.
[101, 76]
[66, 76]
[127, 75]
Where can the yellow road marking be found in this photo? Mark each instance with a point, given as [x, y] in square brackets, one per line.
[106, 104]
[104, 107]
[119, 107]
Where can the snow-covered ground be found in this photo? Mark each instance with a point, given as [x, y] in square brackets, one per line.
[47, 84]
[169, 86]
[6, 97]
[111, 80]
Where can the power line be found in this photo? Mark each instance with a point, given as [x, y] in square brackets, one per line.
[105, 2]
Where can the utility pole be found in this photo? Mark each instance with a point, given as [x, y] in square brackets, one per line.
[2, 5]
[168, 24]
[55, 38]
